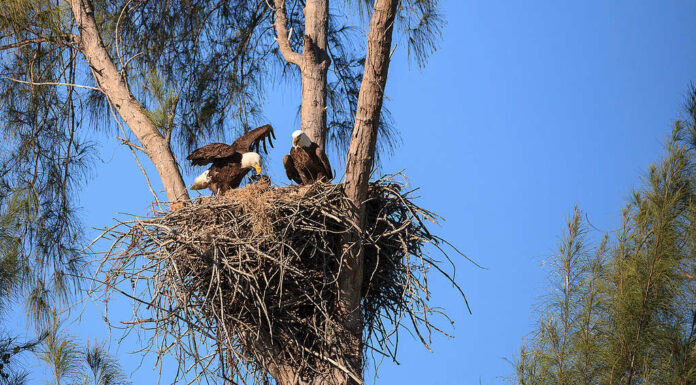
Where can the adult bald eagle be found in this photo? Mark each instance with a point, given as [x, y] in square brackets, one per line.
[307, 162]
[230, 163]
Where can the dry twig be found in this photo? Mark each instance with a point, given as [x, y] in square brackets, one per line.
[234, 285]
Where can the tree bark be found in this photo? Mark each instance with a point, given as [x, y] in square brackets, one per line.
[115, 87]
[314, 69]
[361, 154]
[283, 39]
[314, 64]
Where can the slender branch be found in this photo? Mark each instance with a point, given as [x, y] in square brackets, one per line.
[170, 120]
[686, 275]
[283, 39]
[69, 39]
[48, 83]
[128, 143]
[125, 66]
[336, 364]
[20, 44]
[118, 38]
[131, 147]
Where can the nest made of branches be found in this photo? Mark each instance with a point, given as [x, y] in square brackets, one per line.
[227, 283]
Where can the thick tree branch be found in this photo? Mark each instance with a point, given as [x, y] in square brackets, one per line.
[315, 68]
[283, 39]
[112, 83]
[313, 62]
[361, 154]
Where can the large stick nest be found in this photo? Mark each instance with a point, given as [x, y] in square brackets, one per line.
[244, 284]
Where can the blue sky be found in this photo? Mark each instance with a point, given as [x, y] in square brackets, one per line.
[528, 108]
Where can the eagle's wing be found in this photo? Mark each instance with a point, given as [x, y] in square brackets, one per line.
[324, 161]
[209, 153]
[252, 140]
[290, 169]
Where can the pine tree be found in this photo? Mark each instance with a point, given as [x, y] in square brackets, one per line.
[633, 319]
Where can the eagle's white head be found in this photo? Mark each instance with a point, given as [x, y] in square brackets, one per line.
[252, 160]
[202, 181]
[300, 139]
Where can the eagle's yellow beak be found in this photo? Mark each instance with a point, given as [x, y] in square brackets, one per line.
[258, 169]
[294, 141]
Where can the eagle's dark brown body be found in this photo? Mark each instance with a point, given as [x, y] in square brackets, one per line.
[306, 165]
[225, 175]
[226, 171]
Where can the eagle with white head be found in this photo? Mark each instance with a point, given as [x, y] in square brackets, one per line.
[230, 163]
[307, 162]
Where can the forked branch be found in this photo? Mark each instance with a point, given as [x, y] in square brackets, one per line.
[283, 38]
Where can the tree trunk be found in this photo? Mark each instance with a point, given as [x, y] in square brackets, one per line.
[314, 63]
[115, 87]
[314, 69]
[361, 154]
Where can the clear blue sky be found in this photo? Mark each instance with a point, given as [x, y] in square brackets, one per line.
[528, 108]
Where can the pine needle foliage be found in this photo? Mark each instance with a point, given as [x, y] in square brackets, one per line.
[44, 154]
[71, 363]
[624, 311]
[104, 369]
[11, 352]
[62, 354]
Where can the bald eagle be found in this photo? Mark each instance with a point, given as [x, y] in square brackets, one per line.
[307, 162]
[230, 163]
